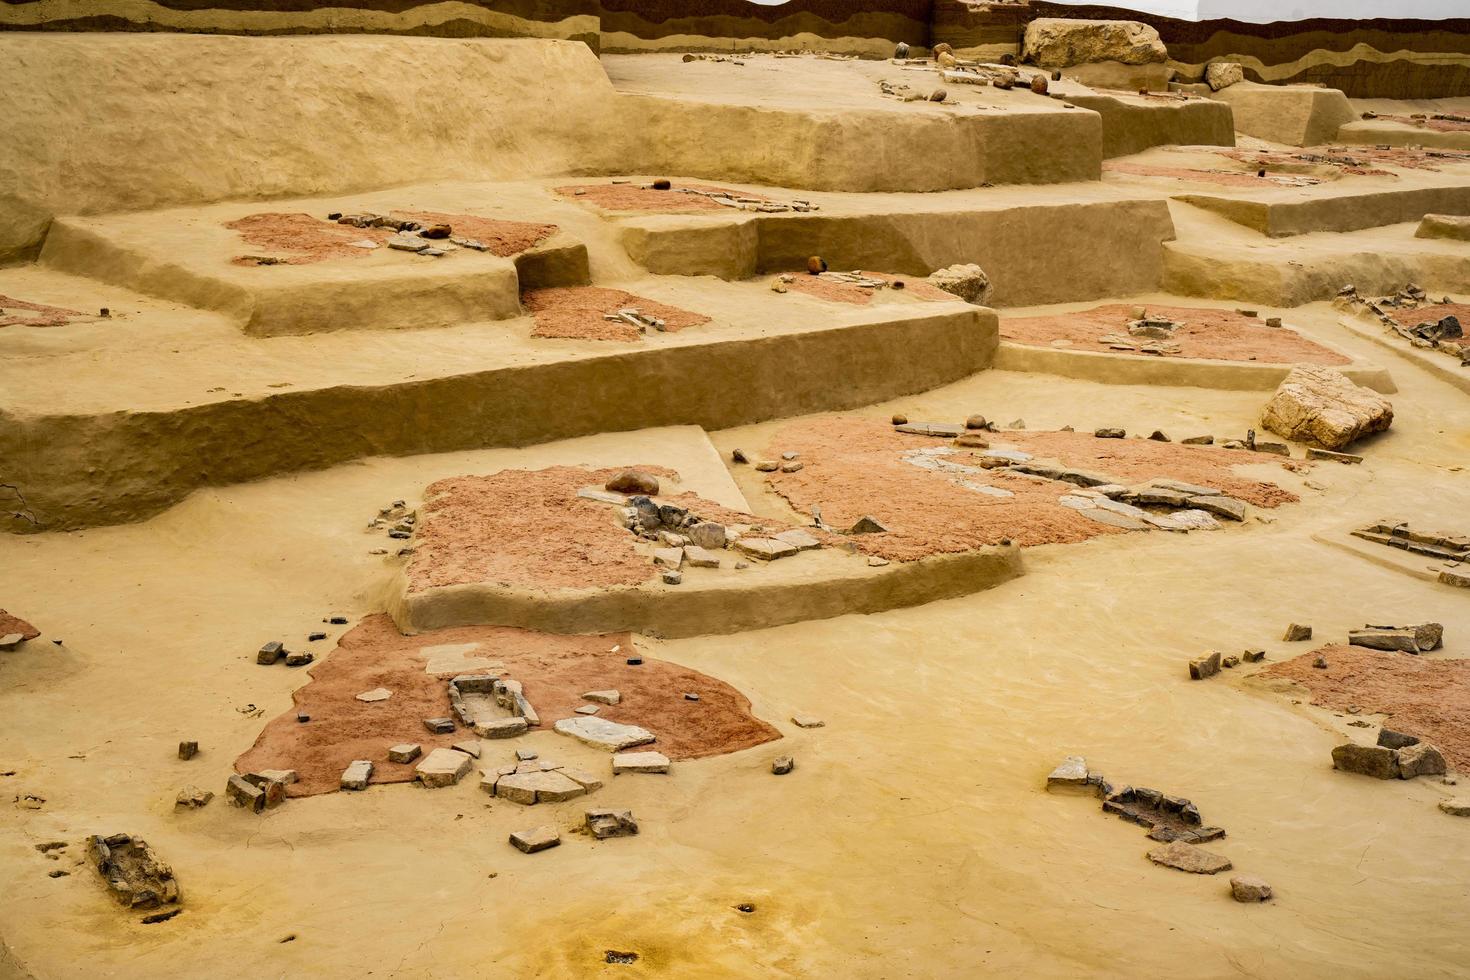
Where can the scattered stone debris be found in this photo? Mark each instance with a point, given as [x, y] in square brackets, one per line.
[1297, 632]
[188, 750]
[1204, 667]
[782, 765]
[536, 839]
[1320, 405]
[1189, 857]
[602, 824]
[133, 872]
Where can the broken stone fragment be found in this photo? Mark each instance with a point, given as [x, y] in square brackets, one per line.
[602, 824]
[376, 694]
[301, 659]
[1409, 639]
[240, 792]
[500, 727]
[271, 652]
[539, 786]
[1223, 74]
[1366, 760]
[707, 534]
[1206, 666]
[1198, 441]
[867, 525]
[1070, 777]
[192, 798]
[651, 762]
[967, 281]
[1390, 739]
[668, 557]
[1189, 857]
[1322, 406]
[603, 734]
[405, 242]
[942, 430]
[1220, 506]
[782, 764]
[440, 726]
[132, 871]
[405, 753]
[1296, 632]
[188, 750]
[807, 721]
[633, 481]
[799, 538]
[1230, 662]
[604, 697]
[274, 789]
[766, 549]
[1249, 888]
[356, 775]
[767, 466]
[1422, 759]
[535, 839]
[698, 557]
[1058, 42]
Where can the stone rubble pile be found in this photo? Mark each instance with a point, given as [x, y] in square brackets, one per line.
[133, 872]
[1438, 332]
[410, 236]
[1452, 549]
[1394, 756]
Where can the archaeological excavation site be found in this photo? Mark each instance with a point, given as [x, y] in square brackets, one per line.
[640, 488]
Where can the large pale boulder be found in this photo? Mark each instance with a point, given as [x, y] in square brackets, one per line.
[1223, 74]
[1452, 226]
[969, 282]
[1320, 405]
[1060, 42]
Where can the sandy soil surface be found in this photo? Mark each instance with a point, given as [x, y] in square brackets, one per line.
[855, 467]
[18, 312]
[636, 197]
[579, 313]
[555, 671]
[1224, 178]
[306, 239]
[1207, 333]
[1424, 695]
[10, 623]
[847, 292]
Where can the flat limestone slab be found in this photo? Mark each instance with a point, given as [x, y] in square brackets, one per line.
[443, 767]
[603, 734]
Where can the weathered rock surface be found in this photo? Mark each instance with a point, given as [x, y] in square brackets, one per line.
[604, 734]
[1189, 857]
[356, 775]
[1421, 759]
[405, 753]
[1069, 777]
[1451, 226]
[967, 281]
[603, 824]
[1206, 666]
[133, 873]
[1223, 74]
[1249, 888]
[1296, 632]
[1366, 760]
[535, 839]
[639, 762]
[528, 788]
[1055, 42]
[1320, 405]
[604, 697]
[1455, 808]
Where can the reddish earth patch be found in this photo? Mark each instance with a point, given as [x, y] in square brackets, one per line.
[631, 197]
[1218, 334]
[1431, 313]
[854, 467]
[1357, 160]
[14, 624]
[1225, 178]
[307, 239]
[1437, 125]
[578, 313]
[502, 238]
[19, 313]
[529, 529]
[555, 671]
[1422, 696]
[847, 292]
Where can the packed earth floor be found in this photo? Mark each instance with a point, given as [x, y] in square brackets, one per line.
[649, 555]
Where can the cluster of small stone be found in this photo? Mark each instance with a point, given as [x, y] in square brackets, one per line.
[410, 236]
[1453, 549]
[397, 518]
[1393, 756]
[134, 874]
[1442, 333]
[1173, 821]
[275, 651]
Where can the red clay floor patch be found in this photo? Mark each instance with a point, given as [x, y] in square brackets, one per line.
[855, 467]
[1428, 697]
[1206, 333]
[837, 291]
[302, 239]
[1431, 313]
[580, 313]
[20, 313]
[554, 670]
[1224, 178]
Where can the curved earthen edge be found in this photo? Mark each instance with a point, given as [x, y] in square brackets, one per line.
[1131, 369]
[156, 459]
[1384, 557]
[1374, 132]
[1334, 212]
[692, 609]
